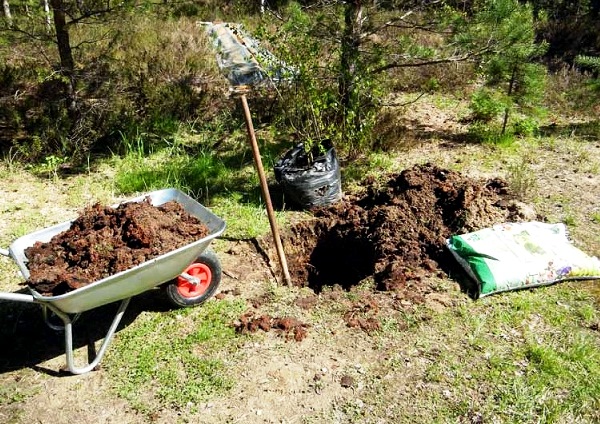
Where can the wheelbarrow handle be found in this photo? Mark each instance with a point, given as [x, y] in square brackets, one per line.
[17, 297]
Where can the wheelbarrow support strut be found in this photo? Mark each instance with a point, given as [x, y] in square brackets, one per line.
[67, 327]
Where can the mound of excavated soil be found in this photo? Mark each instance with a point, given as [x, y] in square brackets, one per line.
[395, 232]
[103, 241]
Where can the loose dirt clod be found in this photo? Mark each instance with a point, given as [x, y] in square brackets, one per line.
[103, 241]
[307, 302]
[396, 232]
[290, 327]
[363, 314]
[347, 381]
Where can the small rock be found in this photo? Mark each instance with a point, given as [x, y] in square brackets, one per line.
[347, 381]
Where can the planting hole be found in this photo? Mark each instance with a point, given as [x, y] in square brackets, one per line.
[395, 231]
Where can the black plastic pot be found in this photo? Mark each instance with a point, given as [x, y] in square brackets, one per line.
[309, 183]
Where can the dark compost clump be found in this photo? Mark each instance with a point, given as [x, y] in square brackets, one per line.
[103, 241]
[394, 232]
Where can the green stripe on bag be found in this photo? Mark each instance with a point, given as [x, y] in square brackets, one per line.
[477, 263]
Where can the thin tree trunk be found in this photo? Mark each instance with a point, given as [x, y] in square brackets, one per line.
[67, 64]
[47, 17]
[349, 56]
[510, 91]
[7, 14]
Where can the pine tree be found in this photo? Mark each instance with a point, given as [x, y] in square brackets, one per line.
[507, 27]
[591, 63]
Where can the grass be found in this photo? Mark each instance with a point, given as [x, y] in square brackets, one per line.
[521, 178]
[13, 393]
[504, 359]
[200, 175]
[176, 359]
[245, 220]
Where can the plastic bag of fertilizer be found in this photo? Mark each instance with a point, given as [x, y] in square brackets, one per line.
[521, 255]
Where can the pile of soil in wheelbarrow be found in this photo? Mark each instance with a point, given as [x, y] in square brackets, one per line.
[395, 231]
[103, 241]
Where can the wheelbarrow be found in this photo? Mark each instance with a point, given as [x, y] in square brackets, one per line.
[190, 274]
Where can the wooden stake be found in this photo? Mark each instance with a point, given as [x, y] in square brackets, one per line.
[265, 190]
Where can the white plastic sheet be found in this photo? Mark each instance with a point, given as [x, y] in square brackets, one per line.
[242, 59]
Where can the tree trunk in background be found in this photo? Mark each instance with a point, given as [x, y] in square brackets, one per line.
[349, 58]
[47, 17]
[511, 86]
[67, 64]
[7, 14]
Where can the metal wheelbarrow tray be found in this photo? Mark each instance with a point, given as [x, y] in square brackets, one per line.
[118, 287]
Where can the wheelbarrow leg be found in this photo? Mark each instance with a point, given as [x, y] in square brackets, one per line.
[69, 338]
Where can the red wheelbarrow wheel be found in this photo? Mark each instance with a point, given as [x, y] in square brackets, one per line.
[207, 270]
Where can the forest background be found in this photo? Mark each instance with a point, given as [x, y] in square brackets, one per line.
[89, 77]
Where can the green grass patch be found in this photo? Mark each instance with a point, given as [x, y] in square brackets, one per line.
[526, 357]
[175, 359]
[244, 219]
[202, 174]
[541, 362]
[488, 133]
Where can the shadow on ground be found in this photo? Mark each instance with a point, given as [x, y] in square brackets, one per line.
[29, 342]
[589, 130]
[456, 273]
